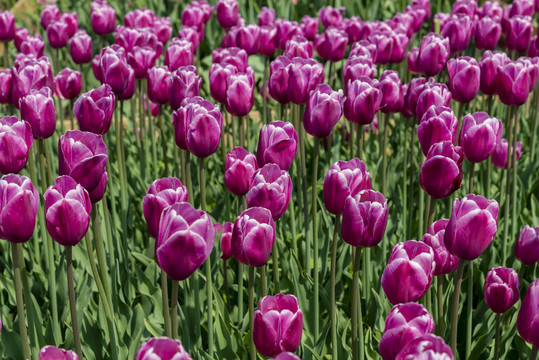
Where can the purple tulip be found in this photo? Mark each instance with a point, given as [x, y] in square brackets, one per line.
[363, 48]
[489, 64]
[286, 30]
[466, 7]
[141, 59]
[57, 33]
[299, 46]
[267, 40]
[218, 75]
[15, 142]
[426, 347]
[49, 14]
[364, 219]
[19, 202]
[408, 274]
[253, 236]
[363, 100]
[7, 26]
[33, 46]
[6, 86]
[80, 47]
[162, 29]
[50, 352]
[518, 33]
[459, 30]
[226, 238]
[303, 77]
[278, 144]
[83, 156]
[158, 84]
[432, 93]
[357, 67]
[266, 16]
[37, 108]
[309, 27]
[404, 323]
[527, 245]
[114, 68]
[438, 124]
[278, 80]
[162, 348]
[178, 54]
[94, 110]
[29, 75]
[278, 325]
[411, 60]
[499, 156]
[103, 18]
[433, 54]
[532, 67]
[501, 289]
[233, 55]
[193, 15]
[183, 83]
[487, 33]
[270, 188]
[323, 111]
[330, 16]
[239, 169]
[67, 84]
[384, 46]
[72, 21]
[528, 314]
[463, 78]
[411, 92]
[434, 237]
[245, 37]
[492, 9]
[479, 136]
[286, 356]
[400, 46]
[197, 126]
[21, 34]
[331, 44]
[344, 179]
[227, 13]
[513, 83]
[391, 90]
[240, 93]
[139, 18]
[441, 173]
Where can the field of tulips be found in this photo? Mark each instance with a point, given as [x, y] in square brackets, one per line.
[248, 179]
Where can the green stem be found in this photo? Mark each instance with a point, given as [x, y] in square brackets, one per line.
[411, 188]
[151, 133]
[455, 306]
[20, 301]
[6, 55]
[225, 284]
[240, 293]
[333, 309]
[275, 255]
[514, 198]
[251, 310]
[174, 309]
[166, 313]
[405, 180]
[497, 337]
[264, 99]
[72, 302]
[357, 319]
[241, 131]
[440, 295]
[469, 309]
[534, 125]
[507, 184]
[533, 353]
[330, 73]
[360, 135]
[384, 155]
[263, 279]
[163, 141]
[83, 85]
[100, 251]
[60, 112]
[303, 169]
[470, 180]
[314, 202]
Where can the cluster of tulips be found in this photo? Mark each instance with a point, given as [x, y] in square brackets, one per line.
[366, 76]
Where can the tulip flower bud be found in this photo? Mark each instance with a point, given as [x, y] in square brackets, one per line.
[270, 188]
[15, 142]
[479, 136]
[33, 46]
[343, 179]
[441, 173]
[426, 347]
[28, 75]
[331, 44]
[72, 21]
[162, 29]
[37, 108]
[404, 323]
[245, 37]
[459, 30]
[226, 237]
[492, 9]
[363, 48]
[433, 54]
[408, 274]
[239, 169]
[19, 202]
[267, 40]
[158, 77]
[278, 80]
[227, 13]
[357, 67]
[162, 348]
[463, 78]
[178, 54]
[183, 83]
[362, 101]
[499, 156]
[434, 237]
[303, 77]
[309, 27]
[391, 90]
[330, 16]
[527, 324]
[67, 84]
[240, 95]
[364, 219]
[513, 83]
[501, 289]
[103, 18]
[6, 85]
[489, 68]
[253, 236]
[83, 156]
[114, 68]
[21, 34]
[324, 110]
[299, 46]
[400, 45]
[57, 33]
[94, 110]
[384, 46]
[286, 356]
[411, 60]
[438, 124]
[432, 93]
[278, 325]
[192, 15]
[487, 33]
[411, 92]
[518, 33]
[197, 126]
[7, 26]
[49, 14]
[266, 16]
[527, 245]
[278, 144]
[141, 59]
[50, 352]
[80, 47]
[139, 18]
[218, 75]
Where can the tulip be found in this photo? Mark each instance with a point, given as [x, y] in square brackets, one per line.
[266, 16]
[526, 247]
[422, 5]
[267, 40]
[129, 91]
[6, 84]
[33, 46]
[411, 92]
[463, 78]
[479, 136]
[459, 30]
[441, 173]
[226, 237]
[492, 9]
[404, 323]
[72, 21]
[309, 27]
[270, 188]
[67, 84]
[94, 110]
[433, 54]
[501, 289]
[29, 75]
[438, 124]
[303, 77]
[518, 33]
[183, 83]
[114, 68]
[513, 83]
[286, 30]
[278, 325]
[323, 111]
[286, 356]
[432, 93]
[527, 324]
[158, 78]
[445, 262]
[197, 126]
[103, 19]
[21, 34]
[278, 144]
[426, 347]
[162, 348]
[364, 219]
[489, 68]
[227, 13]
[15, 142]
[278, 80]
[400, 46]
[7, 26]
[363, 48]
[330, 16]
[239, 168]
[357, 67]
[139, 18]
[50, 352]
[83, 156]
[162, 29]
[37, 108]
[487, 33]
[343, 179]
[80, 47]
[384, 46]
[240, 93]
[467, 7]
[253, 236]
[245, 37]
[57, 33]
[193, 16]
[178, 54]
[141, 59]
[411, 60]
[331, 44]
[408, 274]
[19, 202]
[49, 14]
[234, 56]
[363, 100]
[499, 156]
[521, 7]
[391, 90]
[299, 46]
[218, 75]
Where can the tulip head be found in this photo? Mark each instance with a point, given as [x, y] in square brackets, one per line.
[50, 352]
[278, 144]
[527, 245]
[487, 33]
[331, 45]
[37, 108]
[183, 83]
[324, 110]
[528, 315]
[513, 83]
[499, 156]
[299, 46]
[441, 173]
[227, 13]
[459, 30]
[445, 262]
[162, 348]
[94, 110]
[7, 26]
[15, 142]
[463, 78]
[239, 168]
[501, 289]
[488, 65]
[330, 16]
[391, 89]
[479, 136]
[240, 93]
[426, 347]
[80, 47]
[432, 93]
[158, 77]
[67, 84]
[103, 18]
[270, 188]
[518, 33]
[363, 99]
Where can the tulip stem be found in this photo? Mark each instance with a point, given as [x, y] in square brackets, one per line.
[411, 188]
[164, 299]
[241, 131]
[264, 94]
[174, 309]
[497, 337]
[251, 309]
[100, 251]
[332, 289]
[440, 295]
[470, 181]
[360, 135]
[299, 129]
[533, 353]
[72, 302]
[19, 300]
[225, 285]
[275, 255]
[314, 202]
[384, 154]
[357, 326]
[534, 125]
[152, 132]
[163, 140]
[514, 198]
[240, 293]
[507, 184]
[469, 309]
[6, 55]
[405, 180]
[455, 306]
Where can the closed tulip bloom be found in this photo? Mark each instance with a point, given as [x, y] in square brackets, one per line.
[278, 144]
[479, 136]
[83, 156]
[445, 262]
[218, 75]
[21, 34]
[303, 77]
[400, 46]
[67, 84]
[391, 89]
[330, 16]
[459, 30]
[239, 168]
[191, 34]
[161, 194]
[178, 54]
[227, 13]
[363, 48]
[7, 26]
[528, 315]
[363, 100]
[267, 40]
[432, 94]
[94, 110]
[487, 33]
[183, 83]
[37, 108]
[246, 38]
[404, 323]
[270, 188]
[162, 29]
[103, 19]
[364, 219]
[286, 356]
[513, 83]
[411, 59]
[158, 84]
[15, 142]
[30, 75]
[518, 33]
[192, 16]
[278, 80]
[499, 156]
[72, 21]
[19, 202]
[357, 67]
[240, 94]
[141, 59]
[489, 69]
[441, 173]
[527, 245]
[472, 226]
[384, 46]
[33, 46]
[299, 46]
[408, 274]
[80, 47]
[501, 289]
[50, 352]
[266, 16]
[114, 68]
[226, 237]
[344, 179]
[324, 110]
[49, 14]
[278, 325]
[309, 27]
[139, 18]
[532, 66]
[129, 91]
[433, 54]
[438, 124]
[6, 86]
[426, 347]
[331, 44]
[232, 55]
[411, 92]
[463, 78]
[57, 33]
[197, 126]
[162, 348]
[286, 30]
[492, 9]
[253, 236]
[467, 7]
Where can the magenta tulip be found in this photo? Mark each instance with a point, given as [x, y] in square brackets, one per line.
[226, 238]
[426, 347]
[240, 93]
[103, 18]
[6, 86]
[331, 44]
[489, 69]
[15, 142]
[438, 124]
[183, 83]
[49, 14]
[67, 84]
[303, 77]
[433, 54]
[528, 315]
[411, 92]
[479, 136]
[441, 173]
[278, 144]
[432, 93]
[179, 53]
[50, 352]
[527, 245]
[239, 168]
[357, 67]
[463, 78]
[459, 30]
[501, 289]
[270, 188]
[162, 348]
[299, 46]
[324, 110]
[309, 27]
[158, 78]
[330, 16]
[94, 110]
[7, 26]
[391, 90]
[37, 108]
[227, 13]
[363, 100]
[80, 47]
[499, 156]
[487, 33]
[518, 33]
[513, 83]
